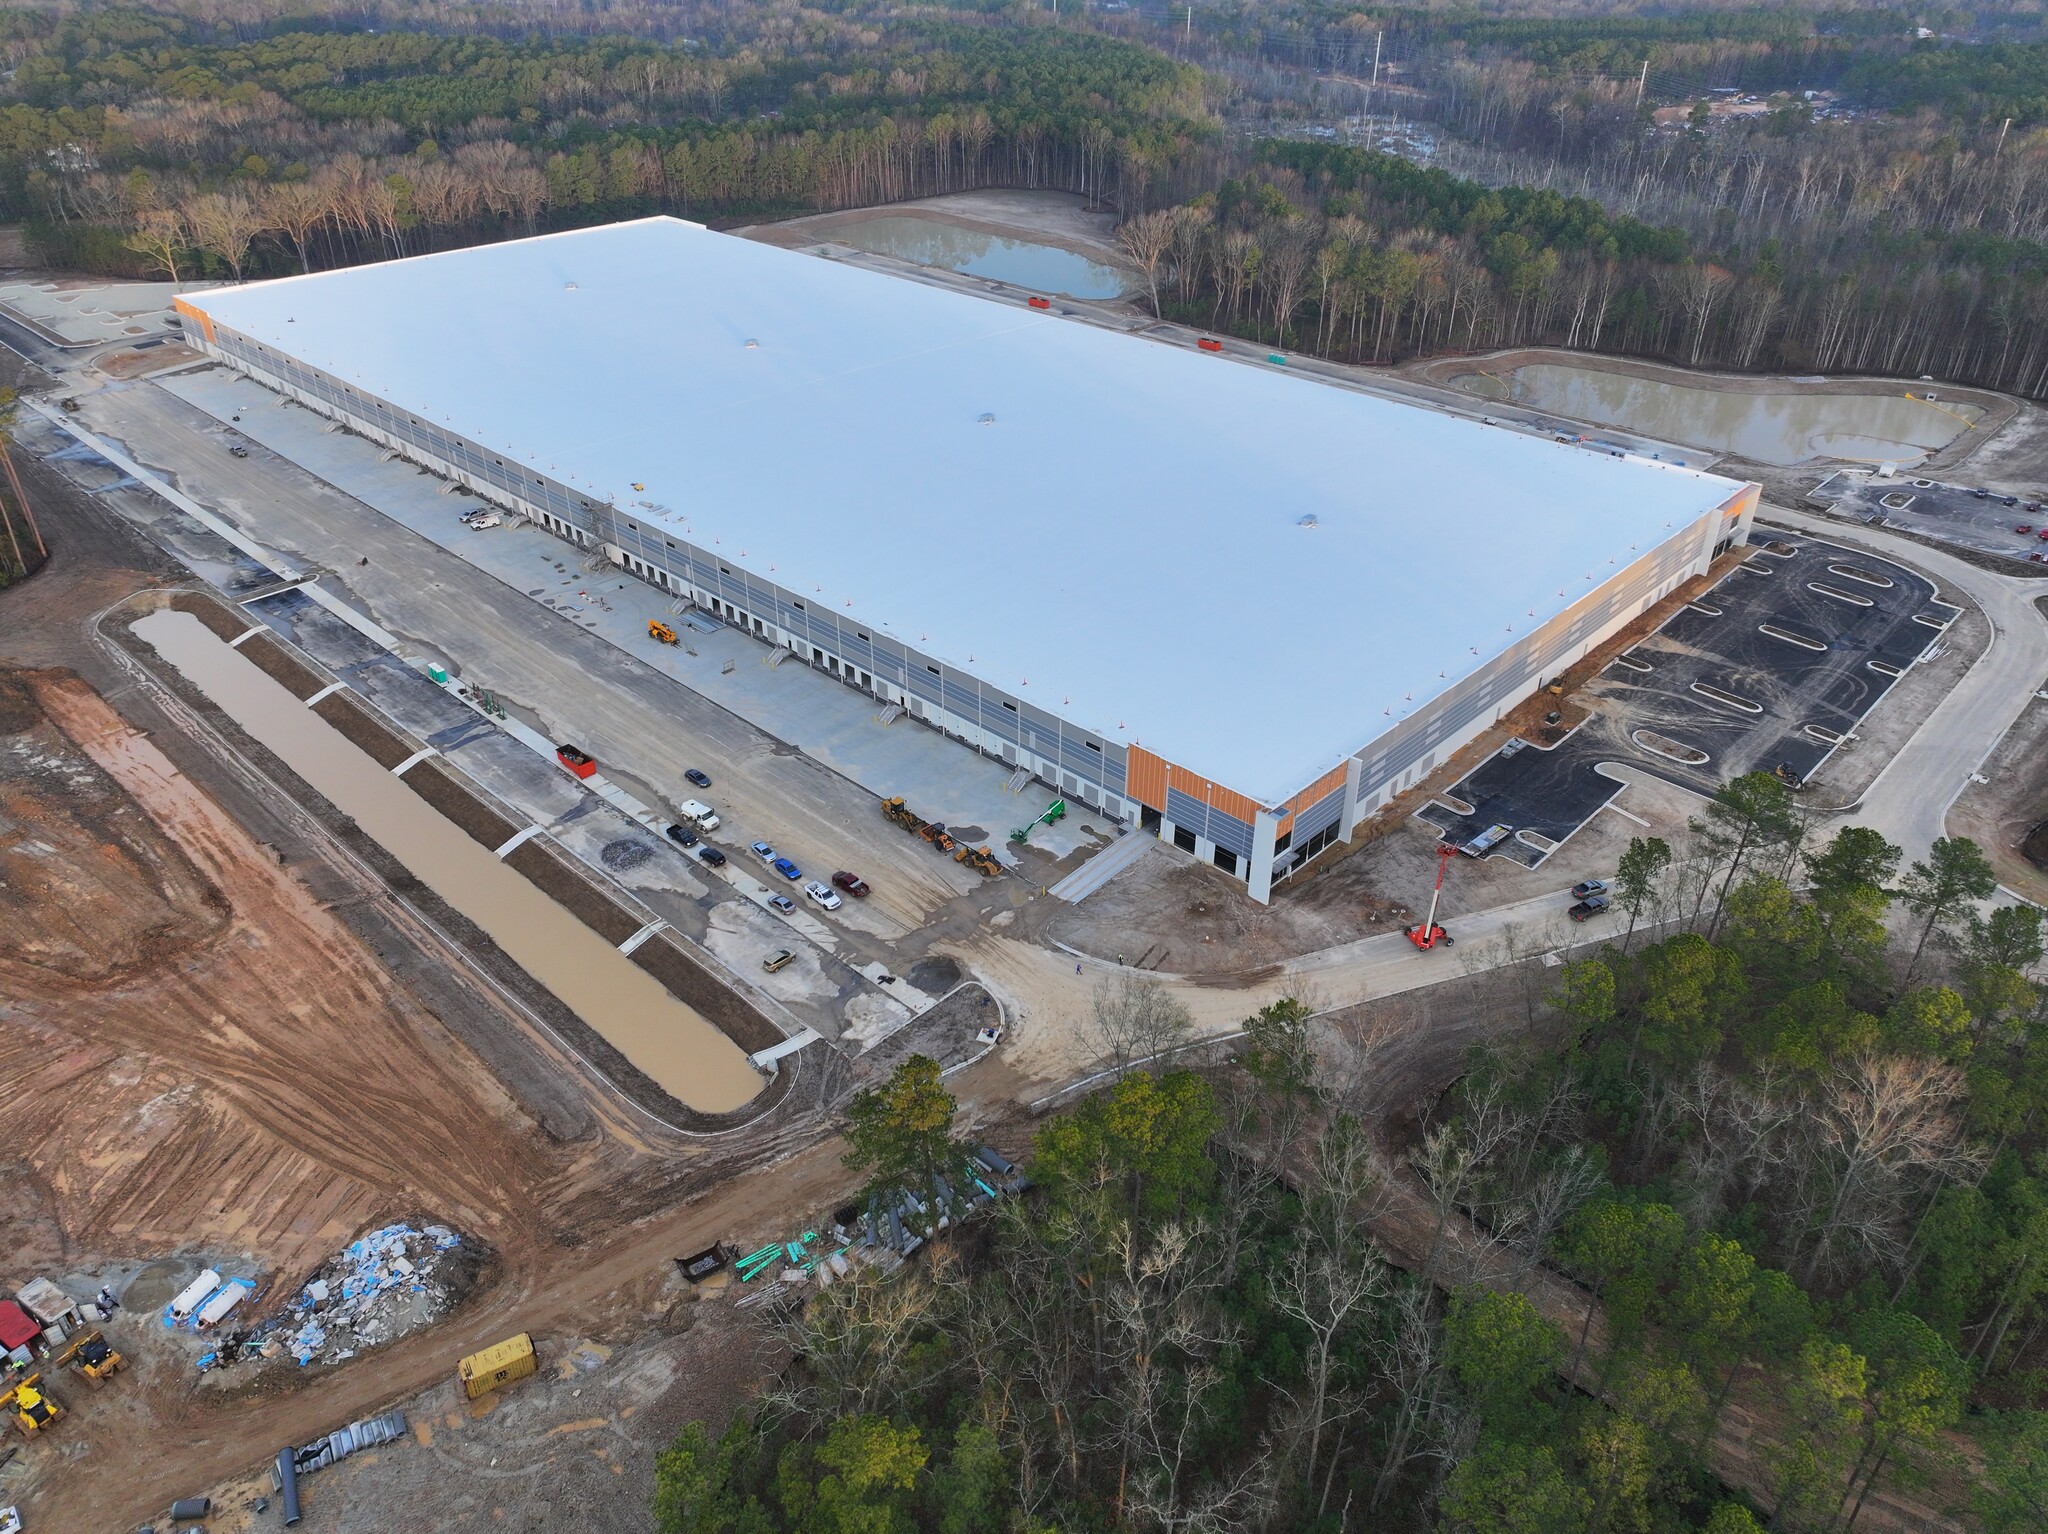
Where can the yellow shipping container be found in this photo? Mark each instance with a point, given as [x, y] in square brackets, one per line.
[510, 1360]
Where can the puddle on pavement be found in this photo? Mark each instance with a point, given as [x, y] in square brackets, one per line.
[681, 1052]
[1780, 429]
[1028, 264]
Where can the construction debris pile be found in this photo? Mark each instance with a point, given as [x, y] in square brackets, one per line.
[382, 1286]
[891, 1227]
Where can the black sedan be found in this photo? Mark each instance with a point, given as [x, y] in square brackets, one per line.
[712, 856]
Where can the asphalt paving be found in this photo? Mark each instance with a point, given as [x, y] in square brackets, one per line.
[1770, 670]
[1968, 516]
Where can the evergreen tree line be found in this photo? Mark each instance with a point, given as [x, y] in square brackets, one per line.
[1782, 1137]
[134, 146]
[1367, 257]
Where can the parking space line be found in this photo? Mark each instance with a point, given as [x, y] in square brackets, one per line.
[1773, 631]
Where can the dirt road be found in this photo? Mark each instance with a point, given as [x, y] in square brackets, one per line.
[222, 1041]
[269, 1090]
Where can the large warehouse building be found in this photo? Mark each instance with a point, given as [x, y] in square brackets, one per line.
[1238, 606]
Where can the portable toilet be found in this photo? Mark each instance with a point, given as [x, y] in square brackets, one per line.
[500, 1364]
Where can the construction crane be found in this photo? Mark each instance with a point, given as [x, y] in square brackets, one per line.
[33, 1409]
[93, 1355]
[1428, 934]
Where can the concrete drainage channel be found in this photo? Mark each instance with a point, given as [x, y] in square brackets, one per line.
[656, 1023]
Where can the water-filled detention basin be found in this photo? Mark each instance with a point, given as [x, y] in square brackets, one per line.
[1775, 428]
[681, 1052]
[933, 242]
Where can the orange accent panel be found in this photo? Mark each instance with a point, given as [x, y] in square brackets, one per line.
[1328, 783]
[1741, 501]
[205, 320]
[1215, 795]
[1145, 777]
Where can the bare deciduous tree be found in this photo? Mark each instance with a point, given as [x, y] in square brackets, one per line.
[1136, 1020]
[225, 224]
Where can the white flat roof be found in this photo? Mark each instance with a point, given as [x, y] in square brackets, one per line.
[1120, 545]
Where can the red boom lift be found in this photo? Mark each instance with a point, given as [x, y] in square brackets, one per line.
[1428, 935]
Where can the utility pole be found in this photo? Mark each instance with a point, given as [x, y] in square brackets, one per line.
[1365, 117]
[1642, 81]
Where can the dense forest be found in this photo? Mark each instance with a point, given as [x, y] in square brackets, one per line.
[1778, 1148]
[136, 140]
[1367, 257]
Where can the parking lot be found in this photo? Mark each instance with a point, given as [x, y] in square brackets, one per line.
[1771, 670]
[1968, 516]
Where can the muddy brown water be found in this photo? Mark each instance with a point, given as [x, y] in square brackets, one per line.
[1782, 428]
[676, 1047]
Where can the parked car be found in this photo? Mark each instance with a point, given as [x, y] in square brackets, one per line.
[764, 852]
[853, 884]
[783, 904]
[1982, 495]
[682, 836]
[2023, 529]
[699, 814]
[787, 869]
[1589, 887]
[2012, 500]
[1588, 908]
[712, 856]
[777, 960]
[238, 451]
[823, 894]
[698, 776]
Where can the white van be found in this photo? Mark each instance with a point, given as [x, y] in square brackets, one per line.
[702, 816]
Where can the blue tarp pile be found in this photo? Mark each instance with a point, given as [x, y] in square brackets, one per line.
[350, 1303]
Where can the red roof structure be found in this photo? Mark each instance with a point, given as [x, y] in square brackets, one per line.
[17, 1328]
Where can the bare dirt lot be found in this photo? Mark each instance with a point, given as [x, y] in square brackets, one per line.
[226, 1041]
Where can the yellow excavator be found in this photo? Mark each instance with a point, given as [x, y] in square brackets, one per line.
[658, 630]
[33, 1410]
[93, 1356]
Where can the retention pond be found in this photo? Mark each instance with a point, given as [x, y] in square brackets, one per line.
[1028, 264]
[1779, 427]
[673, 1044]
